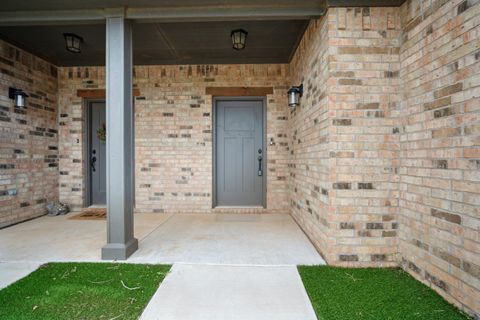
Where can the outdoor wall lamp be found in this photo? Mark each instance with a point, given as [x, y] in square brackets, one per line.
[239, 38]
[294, 94]
[73, 43]
[18, 96]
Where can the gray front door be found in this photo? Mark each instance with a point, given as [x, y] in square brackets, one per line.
[98, 178]
[239, 153]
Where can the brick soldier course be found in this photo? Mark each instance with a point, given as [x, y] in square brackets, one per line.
[380, 164]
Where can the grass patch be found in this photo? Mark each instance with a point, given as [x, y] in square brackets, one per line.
[82, 291]
[371, 293]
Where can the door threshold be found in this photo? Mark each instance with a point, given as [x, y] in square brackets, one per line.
[97, 206]
[239, 207]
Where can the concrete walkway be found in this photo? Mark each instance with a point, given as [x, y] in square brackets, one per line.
[13, 271]
[206, 292]
[225, 266]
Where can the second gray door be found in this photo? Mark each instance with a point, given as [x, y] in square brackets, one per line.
[98, 167]
[239, 153]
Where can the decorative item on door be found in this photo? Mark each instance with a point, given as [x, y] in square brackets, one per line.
[102, 133]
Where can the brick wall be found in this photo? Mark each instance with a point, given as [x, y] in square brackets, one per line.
[344, 137]
[364, 62]
[28, 137]
[173, 133]
[385, 145]
[308, 132]
[439, 237]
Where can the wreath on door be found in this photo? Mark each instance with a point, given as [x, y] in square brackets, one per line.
[102, 133]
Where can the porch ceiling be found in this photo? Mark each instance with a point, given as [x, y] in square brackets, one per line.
[97, 4]
[28, 5]
[167, 31]
[272, 41]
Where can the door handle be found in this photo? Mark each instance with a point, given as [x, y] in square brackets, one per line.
[260, 172]
[92, 163]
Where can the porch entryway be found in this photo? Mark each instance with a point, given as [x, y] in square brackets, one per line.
[159, 156]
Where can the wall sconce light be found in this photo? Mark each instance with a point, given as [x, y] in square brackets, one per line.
[18, 96]
[294, 94]
[73, 43]
[239, 38]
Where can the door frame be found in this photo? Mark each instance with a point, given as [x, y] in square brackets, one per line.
[87, 113]
[262, 99]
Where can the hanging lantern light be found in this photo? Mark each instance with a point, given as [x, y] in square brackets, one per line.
[73, 43]
[18, 96]
[239, 38]
[294, 94]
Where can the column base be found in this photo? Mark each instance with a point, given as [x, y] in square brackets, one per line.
[119, 251]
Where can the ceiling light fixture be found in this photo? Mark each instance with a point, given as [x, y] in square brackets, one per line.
[73, 43]
[239, 38]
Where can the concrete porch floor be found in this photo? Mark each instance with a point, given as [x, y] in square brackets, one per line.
[225, 239]
[49, 239]
[253, 239]
[232, 239]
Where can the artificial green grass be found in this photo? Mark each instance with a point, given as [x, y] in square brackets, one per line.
[82, 291]
[380, 294]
